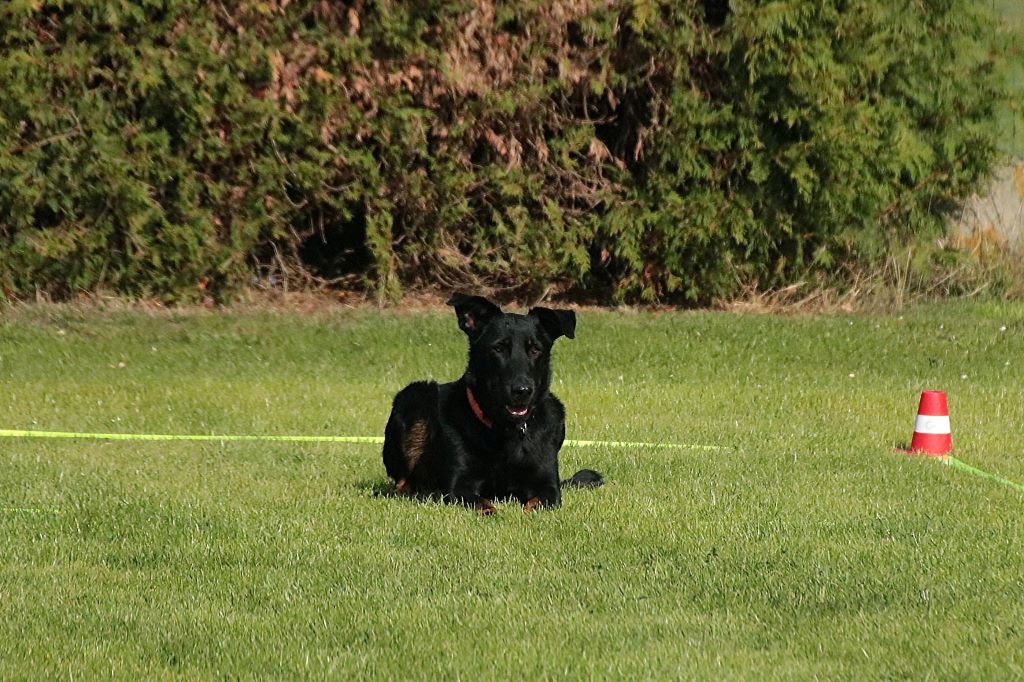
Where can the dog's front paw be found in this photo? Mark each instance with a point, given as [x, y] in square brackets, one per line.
[485, 508]
[531, 504]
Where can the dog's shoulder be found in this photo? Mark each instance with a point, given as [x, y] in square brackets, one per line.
[428, 399]
[417, 394]
[553, 411]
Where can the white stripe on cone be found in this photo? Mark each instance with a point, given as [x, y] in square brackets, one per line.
[929, 423]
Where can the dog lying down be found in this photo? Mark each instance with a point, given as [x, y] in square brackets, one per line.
[496, 432]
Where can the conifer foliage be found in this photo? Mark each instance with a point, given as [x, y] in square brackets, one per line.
[625, 150]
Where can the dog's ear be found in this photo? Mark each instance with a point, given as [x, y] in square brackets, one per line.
[556, 322]
[473, 312]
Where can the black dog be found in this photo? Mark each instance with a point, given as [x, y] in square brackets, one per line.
[495, 432]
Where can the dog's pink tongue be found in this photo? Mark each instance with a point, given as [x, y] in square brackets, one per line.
[520, 412]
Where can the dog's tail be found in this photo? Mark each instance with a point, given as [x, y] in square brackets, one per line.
[584, 478]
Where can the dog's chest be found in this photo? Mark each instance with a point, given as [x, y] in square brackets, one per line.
[516, 449]
[511, 464]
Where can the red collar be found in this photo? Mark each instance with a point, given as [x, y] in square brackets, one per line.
[475, 406]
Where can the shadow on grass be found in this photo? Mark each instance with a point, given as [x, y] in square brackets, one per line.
[386, 490]
[378, 488]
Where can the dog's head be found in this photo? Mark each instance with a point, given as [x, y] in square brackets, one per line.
[509, 355]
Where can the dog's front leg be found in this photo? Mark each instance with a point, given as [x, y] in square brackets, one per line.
[466, 491]
[548, 495]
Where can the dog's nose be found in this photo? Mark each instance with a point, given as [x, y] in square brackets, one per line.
[521, 392]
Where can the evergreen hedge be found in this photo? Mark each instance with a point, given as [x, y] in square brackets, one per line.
[640, 150]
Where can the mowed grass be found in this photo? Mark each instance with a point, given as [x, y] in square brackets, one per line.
[804, 547]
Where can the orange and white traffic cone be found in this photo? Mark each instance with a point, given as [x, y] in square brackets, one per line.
[931, 428]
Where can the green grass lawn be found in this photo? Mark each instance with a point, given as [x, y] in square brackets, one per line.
[804, 548]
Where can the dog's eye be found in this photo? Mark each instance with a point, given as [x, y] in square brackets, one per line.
[501, 348]
[534, 351]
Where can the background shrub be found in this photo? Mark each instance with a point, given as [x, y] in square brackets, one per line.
[618, 150]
